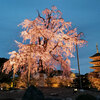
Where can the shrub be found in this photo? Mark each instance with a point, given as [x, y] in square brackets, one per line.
[5, 86]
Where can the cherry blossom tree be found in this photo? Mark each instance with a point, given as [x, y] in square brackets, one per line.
[48, 41]
[52, 37]
[12, 64]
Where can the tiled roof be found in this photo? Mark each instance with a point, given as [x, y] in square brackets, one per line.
[96, 61]
[94, 66]
[95, 55]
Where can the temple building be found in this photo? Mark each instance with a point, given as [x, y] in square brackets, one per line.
[94, 77]
[96, 61]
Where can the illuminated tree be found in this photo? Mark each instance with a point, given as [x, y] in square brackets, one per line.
[48, 41]
[94, 78]
[19, 62]
[52, 37]
[12, 64]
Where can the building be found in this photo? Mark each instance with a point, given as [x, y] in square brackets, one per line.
[96, 61]
[94, 77]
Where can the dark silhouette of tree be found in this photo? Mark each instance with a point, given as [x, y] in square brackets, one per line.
[4, 77]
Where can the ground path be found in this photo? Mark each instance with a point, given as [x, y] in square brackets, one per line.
[49, 93]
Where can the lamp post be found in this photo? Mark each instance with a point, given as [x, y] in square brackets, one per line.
[78, 66]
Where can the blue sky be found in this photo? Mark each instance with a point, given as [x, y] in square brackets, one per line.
[84, 14]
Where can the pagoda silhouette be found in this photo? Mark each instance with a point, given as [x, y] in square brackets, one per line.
[96, 61]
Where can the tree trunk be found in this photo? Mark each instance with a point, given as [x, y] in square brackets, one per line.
[14, 70]
[29, 65]
[29, 74]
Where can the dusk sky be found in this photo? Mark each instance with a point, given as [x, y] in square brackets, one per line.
[84, 15]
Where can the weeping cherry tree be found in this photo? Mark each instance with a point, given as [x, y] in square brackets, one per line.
[48, 41]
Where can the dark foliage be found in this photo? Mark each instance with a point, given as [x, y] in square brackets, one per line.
[3, 76]
[86, 97]
[2, 61]
[84, 80]
[33, 93]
